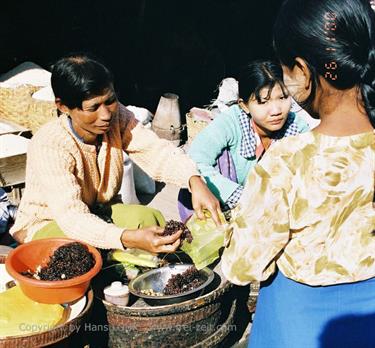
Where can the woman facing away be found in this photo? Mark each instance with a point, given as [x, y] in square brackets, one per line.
[305, 223]
[75, 166]
[230, 146]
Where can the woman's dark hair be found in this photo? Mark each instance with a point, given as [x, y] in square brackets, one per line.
[258, 75]
[76, 78]
[336, 40]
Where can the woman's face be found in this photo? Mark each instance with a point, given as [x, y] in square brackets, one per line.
[96, 113]
[298, 84]
[271, 112]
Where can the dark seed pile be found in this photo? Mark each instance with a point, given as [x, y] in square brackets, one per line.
[172, 226]
[182, 282]
[68, 261]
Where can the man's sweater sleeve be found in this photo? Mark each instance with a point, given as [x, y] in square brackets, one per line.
[158, 157]
[55, 172]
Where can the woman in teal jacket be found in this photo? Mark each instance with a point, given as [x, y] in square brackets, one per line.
[230, 146]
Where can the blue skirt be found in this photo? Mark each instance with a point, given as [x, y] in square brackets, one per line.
[294, 315]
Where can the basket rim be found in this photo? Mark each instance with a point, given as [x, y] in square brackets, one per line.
[61, 331]
[188, 305]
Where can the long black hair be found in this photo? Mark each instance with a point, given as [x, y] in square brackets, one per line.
[78, 77]
[257, 75]
[336, 40]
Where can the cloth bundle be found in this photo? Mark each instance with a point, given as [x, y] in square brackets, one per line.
[7, 211]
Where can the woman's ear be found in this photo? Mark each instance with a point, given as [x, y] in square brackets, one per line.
[61, 107]
[243, 105]
[302, 72]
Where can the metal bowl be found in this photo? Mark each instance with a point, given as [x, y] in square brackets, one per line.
[157, 279]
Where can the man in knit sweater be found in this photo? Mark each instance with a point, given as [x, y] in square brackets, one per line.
[76, 162]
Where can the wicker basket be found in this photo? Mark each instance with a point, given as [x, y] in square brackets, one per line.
[17, 105]
[194, 126]
[40, 112]
[59, 334]
[216, 339]
[174, 325]
[15, 102]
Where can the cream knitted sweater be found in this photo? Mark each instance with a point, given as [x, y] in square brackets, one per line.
[64, 177]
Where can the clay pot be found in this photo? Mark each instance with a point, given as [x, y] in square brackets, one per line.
[167, 120]
[30, 255]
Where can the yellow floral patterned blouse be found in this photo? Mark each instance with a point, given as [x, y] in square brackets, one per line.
[307, 207]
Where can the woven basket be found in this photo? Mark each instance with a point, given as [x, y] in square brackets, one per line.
[216, 339]
[174, 325]
[17, 105]
[57, 334]
[194, 126]
[40, 112]
[14, 102]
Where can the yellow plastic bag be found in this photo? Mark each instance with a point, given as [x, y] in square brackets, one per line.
[207, 240]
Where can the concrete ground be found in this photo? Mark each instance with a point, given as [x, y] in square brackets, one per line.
[165, 200]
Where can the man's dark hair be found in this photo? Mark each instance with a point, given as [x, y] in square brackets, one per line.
[76, 78]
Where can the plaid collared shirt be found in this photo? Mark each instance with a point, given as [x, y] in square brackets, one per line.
[249, 140]
[234, 197]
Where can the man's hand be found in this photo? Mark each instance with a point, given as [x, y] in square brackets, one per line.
[150, 239]
[202, 198]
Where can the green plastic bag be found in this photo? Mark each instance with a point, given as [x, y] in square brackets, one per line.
[207, 240]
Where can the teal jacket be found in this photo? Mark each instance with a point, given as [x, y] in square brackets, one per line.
[225, 132]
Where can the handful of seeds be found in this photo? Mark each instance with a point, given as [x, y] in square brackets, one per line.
[173, 226]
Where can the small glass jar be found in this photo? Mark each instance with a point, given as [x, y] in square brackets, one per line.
[117, 293]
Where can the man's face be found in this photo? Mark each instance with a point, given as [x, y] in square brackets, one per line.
[96, 113]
